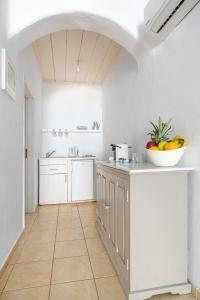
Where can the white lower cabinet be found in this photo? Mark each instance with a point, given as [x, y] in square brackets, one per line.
[144, 229]
[113, 216]
[65, 180]
[53, 189]
[82, 177]
[53, 184]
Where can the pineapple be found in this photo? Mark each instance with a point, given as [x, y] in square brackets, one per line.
[161, 131]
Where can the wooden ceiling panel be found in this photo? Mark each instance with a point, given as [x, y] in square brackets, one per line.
[74, 38]
[109, 60]
[43, 49]
[87, 48]
[98, 56]
[59, 44]
[59, 52]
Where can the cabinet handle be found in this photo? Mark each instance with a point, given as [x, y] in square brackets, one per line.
[106, 206]
[53, 169]
[126, 196]
[65, 178]
[127, 262]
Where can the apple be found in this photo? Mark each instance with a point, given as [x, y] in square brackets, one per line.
[150, 144]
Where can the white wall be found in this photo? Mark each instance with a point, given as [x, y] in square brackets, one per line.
[33, 80]
[118, 20]
[67, 106]
[11, 151]
[118, 106]
[167, 84]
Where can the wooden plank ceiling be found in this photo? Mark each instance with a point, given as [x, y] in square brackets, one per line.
[75, 56]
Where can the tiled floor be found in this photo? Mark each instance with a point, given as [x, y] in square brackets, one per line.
[61, 257]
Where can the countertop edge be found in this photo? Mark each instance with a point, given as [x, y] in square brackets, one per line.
[145, 168]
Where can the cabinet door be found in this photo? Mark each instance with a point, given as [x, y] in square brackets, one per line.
[82, 180]
[122, 220]
[98, 194]
[111, 198]
[53, 189]
[104, 200]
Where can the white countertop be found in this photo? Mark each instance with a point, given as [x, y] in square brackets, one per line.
[71, 158]
[132, 168]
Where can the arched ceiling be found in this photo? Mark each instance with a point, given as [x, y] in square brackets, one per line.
[75, 56]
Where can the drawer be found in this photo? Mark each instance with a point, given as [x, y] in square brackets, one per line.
[52, 161]
[53, 169]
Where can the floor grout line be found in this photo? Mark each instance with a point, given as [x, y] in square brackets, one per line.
[53, 256]
[89, 257]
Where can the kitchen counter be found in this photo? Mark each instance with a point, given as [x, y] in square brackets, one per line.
[131, 168]
[142, 220]
[70, 158]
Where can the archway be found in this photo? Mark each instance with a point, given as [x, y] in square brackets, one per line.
[77, 20]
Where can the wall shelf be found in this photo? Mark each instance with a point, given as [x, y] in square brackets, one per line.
[66, 132]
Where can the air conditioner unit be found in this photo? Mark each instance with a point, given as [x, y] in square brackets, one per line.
[162, 16]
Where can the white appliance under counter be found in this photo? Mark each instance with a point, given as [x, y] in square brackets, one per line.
[66, 179]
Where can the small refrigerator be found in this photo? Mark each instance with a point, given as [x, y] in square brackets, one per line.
[82, 180]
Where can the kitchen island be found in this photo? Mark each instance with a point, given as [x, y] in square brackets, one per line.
[142, 220]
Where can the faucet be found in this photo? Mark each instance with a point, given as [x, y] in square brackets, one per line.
[48, 154]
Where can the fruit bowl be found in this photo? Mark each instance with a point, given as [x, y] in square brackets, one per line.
[167, 158]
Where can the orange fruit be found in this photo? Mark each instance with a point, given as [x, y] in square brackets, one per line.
[153, 148]
[172, 145]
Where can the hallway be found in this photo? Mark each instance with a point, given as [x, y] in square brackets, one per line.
[59, 254]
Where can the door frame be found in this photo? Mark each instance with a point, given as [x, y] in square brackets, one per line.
[27, 97]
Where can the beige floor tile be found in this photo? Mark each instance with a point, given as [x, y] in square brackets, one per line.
[79, 290]
[90, 232]
[91, 222]
[102, 266]
[69, 234]
[47, 217]
[71, 269]
[23, 239]
[28, 226]
[5, 276]
[95, 246]
[86, 205]
[48, 209]
[36, 252]
[27, 275]
[42, 236]
[69, 223]
[16, 255]
[68, 215]
[70, 248]
[38, 293]
[67, 208]
[44, 225]
[89, 213]
[30, 217]
[109, 289]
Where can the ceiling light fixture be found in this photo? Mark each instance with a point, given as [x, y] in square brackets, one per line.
[78, 65]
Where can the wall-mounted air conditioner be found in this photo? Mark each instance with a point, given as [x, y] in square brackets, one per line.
[162, 16]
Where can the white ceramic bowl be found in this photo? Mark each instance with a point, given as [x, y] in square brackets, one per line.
[165, 158]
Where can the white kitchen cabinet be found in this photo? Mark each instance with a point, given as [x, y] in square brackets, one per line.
[142, 220]
[53, 185]
[53, 189]
[82, 180]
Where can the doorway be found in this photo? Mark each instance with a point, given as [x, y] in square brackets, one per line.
[30, 197]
